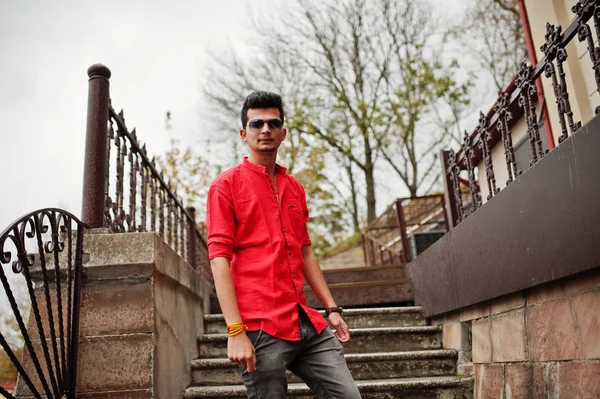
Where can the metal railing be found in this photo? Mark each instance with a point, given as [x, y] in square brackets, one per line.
[142, 199]
[391, 238]
[40, 270]
[520, 99]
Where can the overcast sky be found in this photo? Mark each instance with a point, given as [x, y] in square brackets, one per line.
[156, 51]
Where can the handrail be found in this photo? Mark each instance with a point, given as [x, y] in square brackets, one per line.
[151, 203]
[141, 150]
[403, 227]
[520, 99]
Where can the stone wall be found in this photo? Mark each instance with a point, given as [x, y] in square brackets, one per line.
[540, 343]
[142, 309]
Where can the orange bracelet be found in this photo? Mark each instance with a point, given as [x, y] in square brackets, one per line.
[236, 328]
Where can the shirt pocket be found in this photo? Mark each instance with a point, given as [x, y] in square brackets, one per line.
[297, 218]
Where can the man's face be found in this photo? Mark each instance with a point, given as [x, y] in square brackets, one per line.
[266, 138]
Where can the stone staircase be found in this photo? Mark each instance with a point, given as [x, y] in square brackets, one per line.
[359, 287]
[364, 286]
[393, 352]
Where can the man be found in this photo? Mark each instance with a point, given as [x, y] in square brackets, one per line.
[260, 254]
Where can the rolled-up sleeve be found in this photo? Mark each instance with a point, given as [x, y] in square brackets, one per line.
[306, 237]
[220, 222]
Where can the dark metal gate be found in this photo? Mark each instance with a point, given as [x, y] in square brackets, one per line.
[40, 269]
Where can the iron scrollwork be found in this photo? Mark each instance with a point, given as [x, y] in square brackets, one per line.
[163, 212]
[504, 117]
[52, 276]
[525, 82]
[527, 97]
[554, 50]
[584, 10]
[468, 148]
[453, 173]
[485, 136]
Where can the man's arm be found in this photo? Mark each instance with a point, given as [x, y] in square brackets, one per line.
[316, 280]
[239, 347]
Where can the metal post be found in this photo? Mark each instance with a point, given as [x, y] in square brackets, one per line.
[94, 168]
[370, 252]
[443, 204]
[402, 227]
[449, 198]
[74, 339]
[191, 238]
[363, 239]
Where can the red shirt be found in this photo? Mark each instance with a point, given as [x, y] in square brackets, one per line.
[262, 233]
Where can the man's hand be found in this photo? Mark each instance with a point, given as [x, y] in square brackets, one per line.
[241, 351]
[341, 329]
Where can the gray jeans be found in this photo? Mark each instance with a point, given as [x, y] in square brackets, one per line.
[317, 358]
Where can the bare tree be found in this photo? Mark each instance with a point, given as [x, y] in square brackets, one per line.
[365, 77]
[492, 30]
[424, 98]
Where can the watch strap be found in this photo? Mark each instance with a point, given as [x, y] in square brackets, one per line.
[334, 309]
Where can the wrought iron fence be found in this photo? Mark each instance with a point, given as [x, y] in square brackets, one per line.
[40, 271]
[140, 198]
[406, 228]
[520, 99]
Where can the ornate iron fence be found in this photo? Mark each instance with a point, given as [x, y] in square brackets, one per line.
[140, 198]
[400, 233]
[40, 269]
[520, 99]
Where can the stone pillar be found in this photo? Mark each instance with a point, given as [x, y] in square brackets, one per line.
[457, 336]
[141, 313]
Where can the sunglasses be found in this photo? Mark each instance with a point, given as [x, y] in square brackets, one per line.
[258, 124]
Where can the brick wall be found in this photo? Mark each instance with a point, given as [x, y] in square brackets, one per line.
[540, 343]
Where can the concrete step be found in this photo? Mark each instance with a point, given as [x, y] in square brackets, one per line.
[350, 257]
[414, 388]
[365, 366]
[375, 293]
[362, 286]
[364, 340]
[404, 316]
[368, 273]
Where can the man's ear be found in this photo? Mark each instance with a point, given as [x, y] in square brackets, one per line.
[284, 134]
[243, 134]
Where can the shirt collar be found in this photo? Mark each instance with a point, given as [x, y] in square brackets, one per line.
[261, 169]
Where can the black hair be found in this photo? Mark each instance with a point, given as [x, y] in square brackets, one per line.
[261, 99]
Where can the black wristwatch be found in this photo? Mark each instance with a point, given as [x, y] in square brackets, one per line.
[335, 309]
